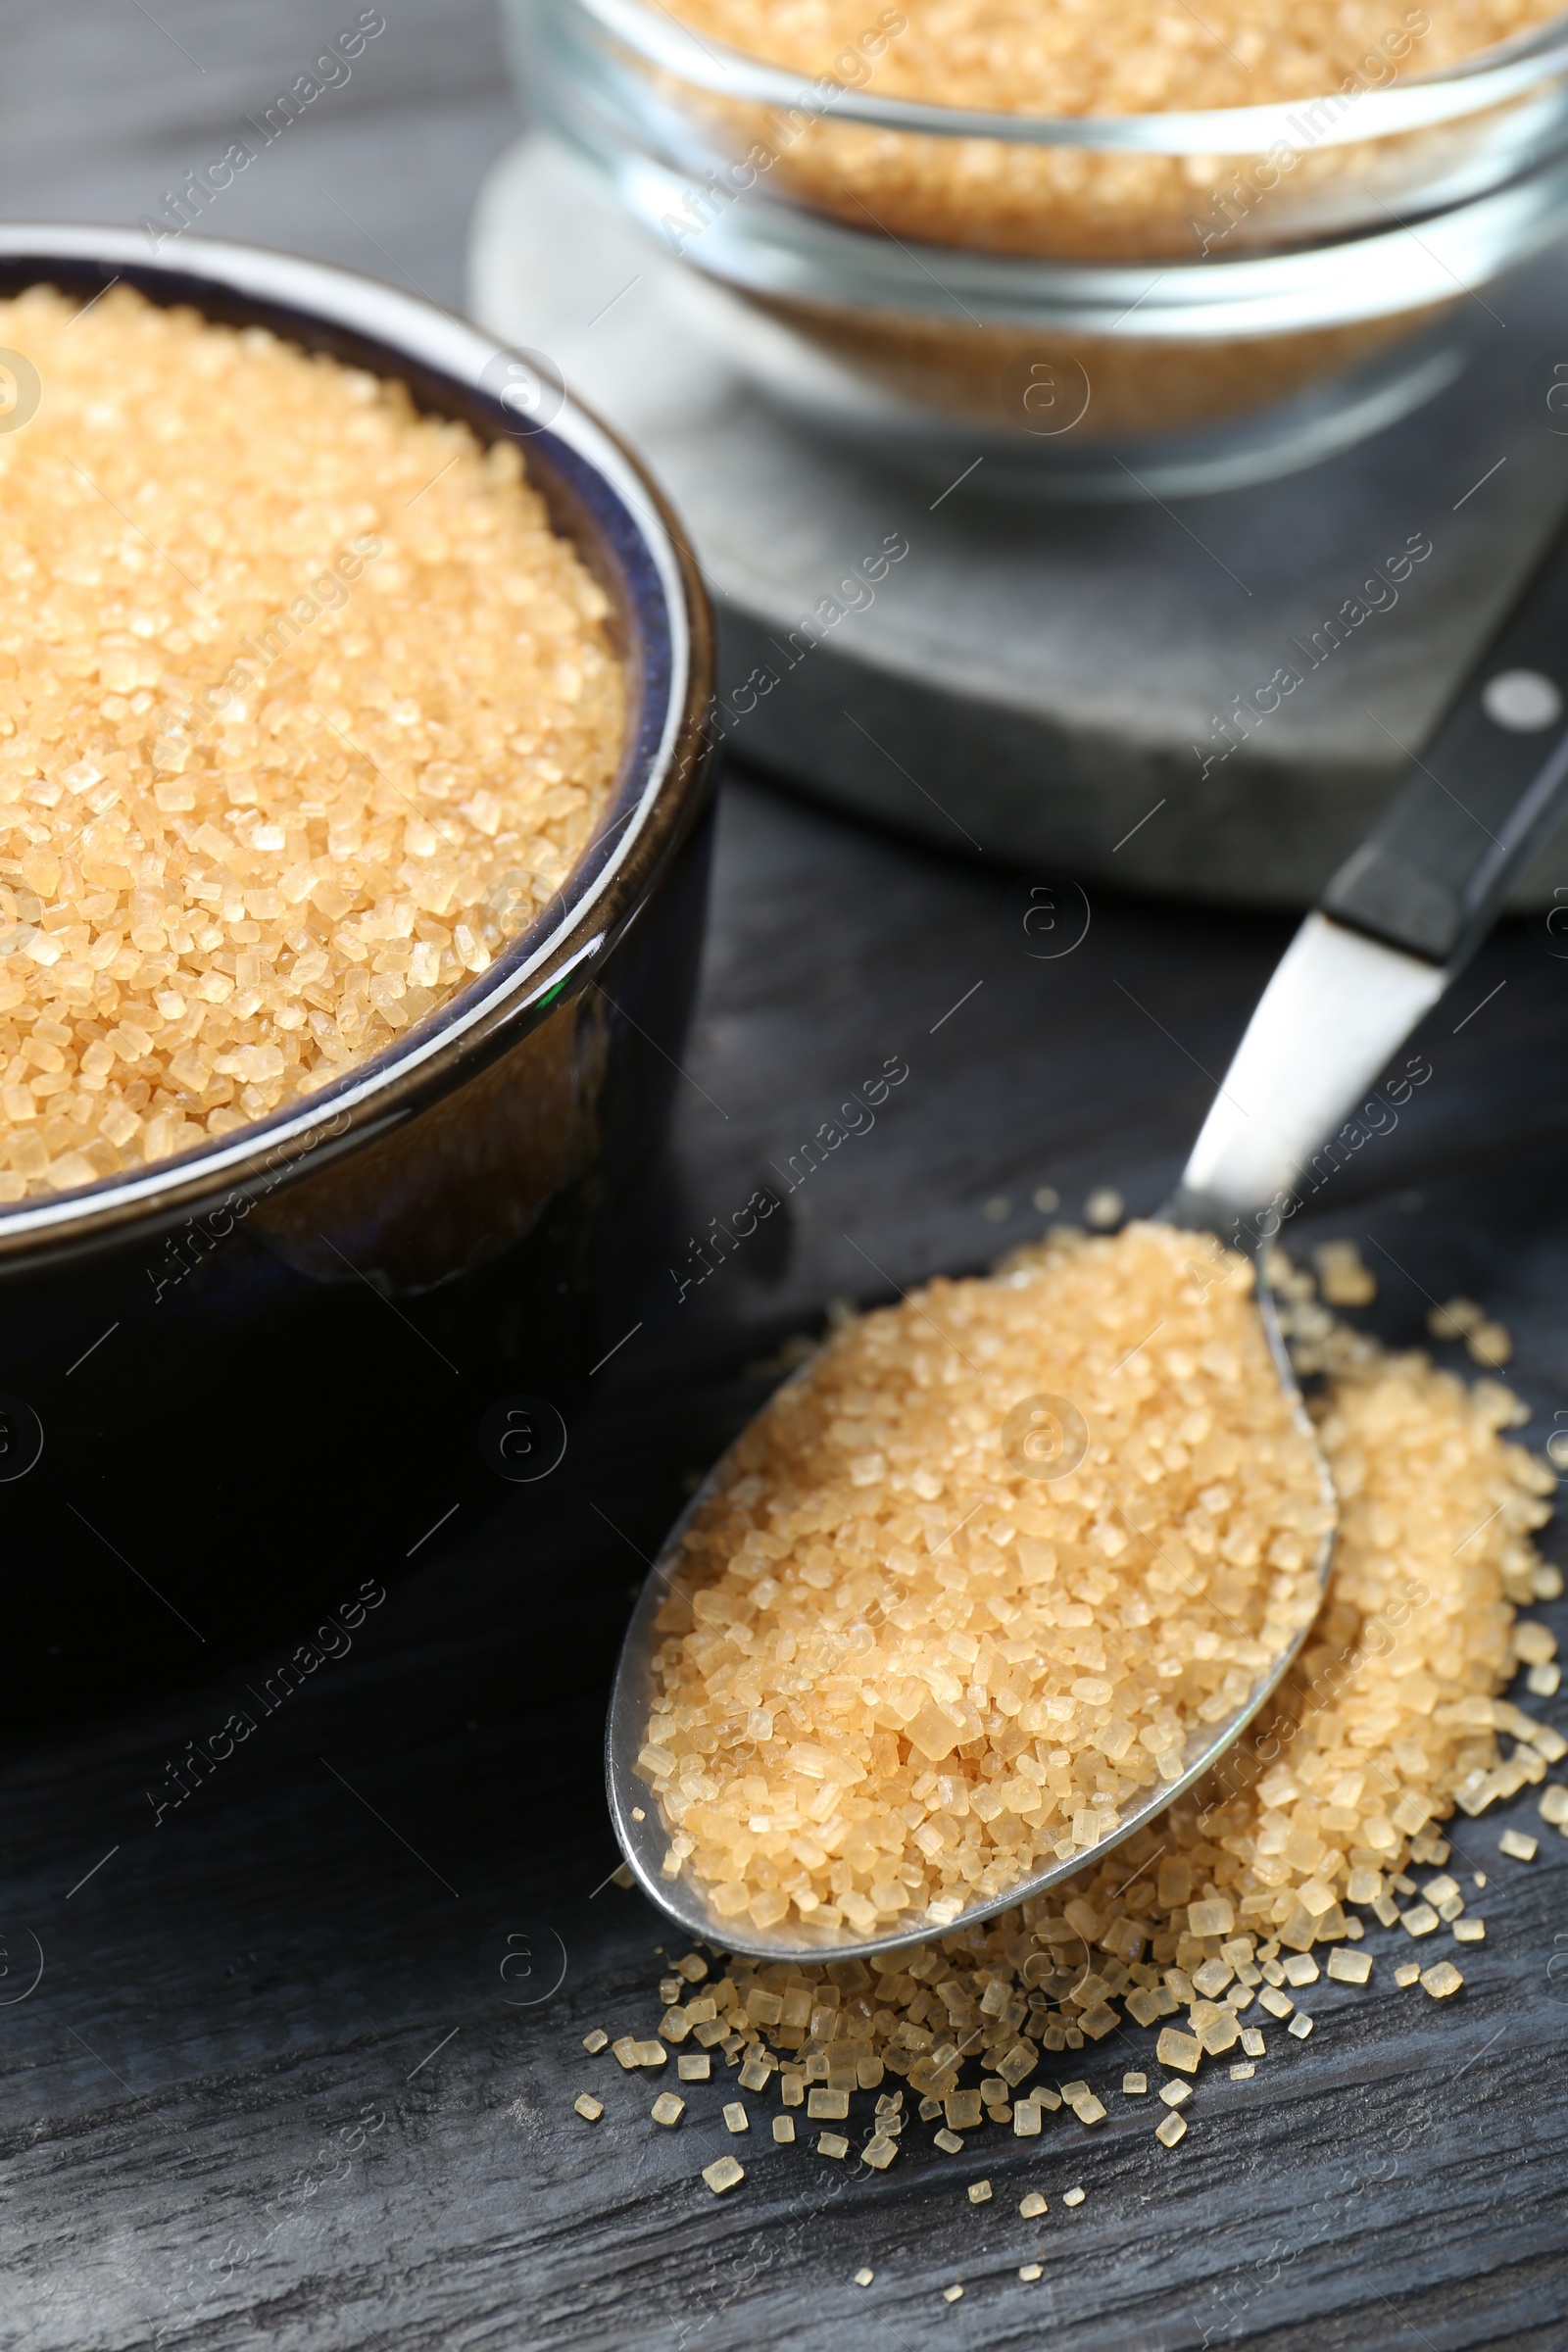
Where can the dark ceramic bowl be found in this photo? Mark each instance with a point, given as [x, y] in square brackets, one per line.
[239, 1379]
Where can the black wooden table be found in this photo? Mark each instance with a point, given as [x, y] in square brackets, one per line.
[265, 2080]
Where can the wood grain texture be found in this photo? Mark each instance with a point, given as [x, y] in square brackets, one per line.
[276, 1964]
[272, 2089]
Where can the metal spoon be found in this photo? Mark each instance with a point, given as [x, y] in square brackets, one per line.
[1398, 921]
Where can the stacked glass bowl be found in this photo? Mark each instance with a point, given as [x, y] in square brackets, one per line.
[1097, 304]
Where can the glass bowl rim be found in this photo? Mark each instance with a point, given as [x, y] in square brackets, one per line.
[776, 247]
[1505, 70]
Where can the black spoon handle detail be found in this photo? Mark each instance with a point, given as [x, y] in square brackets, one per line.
[1480, 800]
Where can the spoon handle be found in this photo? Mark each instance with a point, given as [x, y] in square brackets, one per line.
[1396, 924]
[1431, 875]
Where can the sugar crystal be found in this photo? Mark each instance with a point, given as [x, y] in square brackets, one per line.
[838, 1447]
[1278, 1845]
[302, 745]
[1181, 2050]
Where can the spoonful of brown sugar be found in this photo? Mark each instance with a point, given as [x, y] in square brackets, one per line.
[1005, 1568]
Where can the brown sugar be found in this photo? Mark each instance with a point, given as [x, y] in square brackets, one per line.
[1100, 387]
[1391, 1708]
[912, 1659]
[1075, 58]
[305, 710]
[1104, 57]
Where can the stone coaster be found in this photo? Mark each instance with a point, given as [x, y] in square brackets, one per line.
[1038, 683]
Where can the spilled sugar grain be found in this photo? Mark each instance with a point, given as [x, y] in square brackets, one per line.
[1391, 1720]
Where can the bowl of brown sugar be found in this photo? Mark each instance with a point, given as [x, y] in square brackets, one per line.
[1085, 241]
[352, 856]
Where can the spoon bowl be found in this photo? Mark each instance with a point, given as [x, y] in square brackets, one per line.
[1398, 922]
[643, 1835]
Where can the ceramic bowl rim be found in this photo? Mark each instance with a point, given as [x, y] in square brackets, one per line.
[659, 790]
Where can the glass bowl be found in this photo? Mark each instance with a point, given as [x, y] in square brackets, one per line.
[1098, 304]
